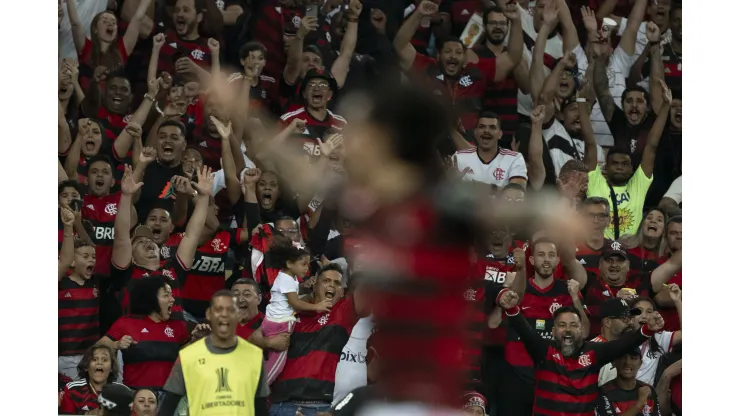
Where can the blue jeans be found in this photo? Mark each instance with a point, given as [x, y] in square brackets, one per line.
[289, 409]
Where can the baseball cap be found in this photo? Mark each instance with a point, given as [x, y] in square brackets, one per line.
[614, 249]
[142, 231]
[635, 352]
[116, 399]
[319, 74]
[617, 308]
[474, 399]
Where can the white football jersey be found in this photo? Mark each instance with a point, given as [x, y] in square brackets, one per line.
[506, 165]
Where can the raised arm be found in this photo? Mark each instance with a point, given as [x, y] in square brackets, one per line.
[78, 32]
[657, 72]
[92, 101]
[601, 81]
[231, 14]
[61, 174]
[402, 42]
[567, 27]
[519, 284]
[189, 244]
[536, 168]
[574, 290]
[295, 52]
[606, 8]
[157, 43]
[571, 266]
[635, 75]
[664, 386]
[133, 130]
[233, 188]
[146, 23]
[134, 26]
[629, 36]
[340, 67]
[585, 99]
[215, 47]
[67, 255]
[121, 254]
[656, 131]
[609, 351]
[536, 345]
[663, 273]
[64, 136]
[537, 66]
[510, 59]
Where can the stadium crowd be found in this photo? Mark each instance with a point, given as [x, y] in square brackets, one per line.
[330, 207]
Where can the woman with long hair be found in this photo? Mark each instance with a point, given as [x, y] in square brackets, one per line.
[659, 344]
[104, 47]
[97, 368]
[646, 243]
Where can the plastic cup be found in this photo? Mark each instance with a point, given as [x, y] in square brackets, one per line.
[607, 27]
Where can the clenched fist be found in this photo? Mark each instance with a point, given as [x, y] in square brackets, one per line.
[508, 299]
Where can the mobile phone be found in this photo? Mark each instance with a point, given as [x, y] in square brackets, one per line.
[312, 11]
[76, 205]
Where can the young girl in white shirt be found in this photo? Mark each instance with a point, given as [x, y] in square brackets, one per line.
[293, 260]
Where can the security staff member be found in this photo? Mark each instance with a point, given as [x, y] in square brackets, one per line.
[220, 373]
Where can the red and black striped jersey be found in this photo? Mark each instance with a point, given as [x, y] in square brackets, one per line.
[494, 270]
[246, 329]
[589, 258]
[264, 272]
[597, 291]
[501, 97]
[172, 270]
[315, 348]
[538, 306]
[568, 385]
[672, 71]
[207, 276]
[271, 21]
[175, 48]
[169, 248]
[615, 401]
[466, 92]
[199, 137]
[79, 309]
[78, 398]
[313, 135]
[147, 363]
[87, 66]
[114, 125]
[670, 315]
[101, 212]
[265, 96]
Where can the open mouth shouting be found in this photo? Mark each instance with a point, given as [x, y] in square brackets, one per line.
[181, 25]
[329, 293]
[452, 65]
[568, 339]
[168, 150]
[677, 117]
[89, 270]
[317, 98]
[157, 233]
[222, 324]
[634, 116]
[266, 200]
[89, 146]
[99, 371]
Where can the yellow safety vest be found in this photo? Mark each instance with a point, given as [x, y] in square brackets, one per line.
[221, 384]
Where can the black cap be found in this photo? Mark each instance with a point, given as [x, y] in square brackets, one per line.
[320, 74]
[614, 249]
[568, 101]
[635, 352]
[116, 399]
[617, 308]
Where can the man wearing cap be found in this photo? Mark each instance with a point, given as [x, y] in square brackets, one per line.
[616, 320]
[115, 400]
[317, 89]
[571, 136]
[625, 394]
[613, 280]
[474, 404]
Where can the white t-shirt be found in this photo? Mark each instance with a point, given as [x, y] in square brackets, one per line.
[564, 148]
[607, 372]
[86, 9]
[504, 166]
[278, 308]
[674, 192]
[352, 370]
[649, 366]
[617, 71]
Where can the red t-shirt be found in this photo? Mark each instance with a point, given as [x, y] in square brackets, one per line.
[670, 314]
[86, 65]
[245, 330]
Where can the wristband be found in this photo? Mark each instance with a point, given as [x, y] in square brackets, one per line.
[580, 100]
[645, 331]
[352, 19]
[512, 311]
[149, 97]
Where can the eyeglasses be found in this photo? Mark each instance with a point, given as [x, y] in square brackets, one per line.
[599, 216]
[318, 85]
[292, 231]
[510, 199]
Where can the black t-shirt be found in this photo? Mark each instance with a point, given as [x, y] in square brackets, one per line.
[627, 136]
[156, 186]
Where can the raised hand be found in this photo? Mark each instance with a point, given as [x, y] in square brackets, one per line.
[134, 129]
[251, 177]
[158, 41]
[128, 186]
[643, 393]
[538, 115]
[171, 110]
[589, 19]
[308, 25]
[213, 45]
[153, 87]
[68, 216]
[378, 20]
[508, 300]
[182, 185]
[519, 258]
[185, 66]
[298, 125]
[165, 81]
[653, 32]
[573, 288]
[655, 322]
[224, 130]
[204, 186]
[511, 11]
[428, 8]
[667, 93]
[125, 342]
[675, 291]
[569, 60]
[148, 155]
[100, 73]
[550, 15]
[586, 91]
[355, 8]
[200, 331]
[331, 144]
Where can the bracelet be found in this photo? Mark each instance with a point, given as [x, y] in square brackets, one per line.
[580, 100]
[352, 19]
[195, 193]
[147, 96]
[69, 236]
